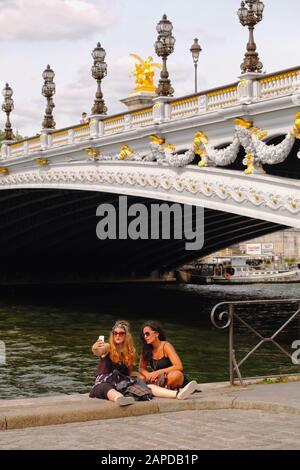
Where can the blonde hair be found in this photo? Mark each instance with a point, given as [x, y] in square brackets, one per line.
[125, 353]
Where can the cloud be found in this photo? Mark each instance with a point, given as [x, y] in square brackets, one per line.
[55, 20]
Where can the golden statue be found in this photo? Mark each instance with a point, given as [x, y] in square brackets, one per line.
[297, 124]
[200, 141]
[158, 140]
[126, 152]
[144, 74]
[243, 123]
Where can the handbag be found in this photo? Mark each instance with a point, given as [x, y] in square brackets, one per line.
[134, 387]
[161, 380]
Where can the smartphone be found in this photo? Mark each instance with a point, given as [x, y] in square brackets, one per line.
[101, 337]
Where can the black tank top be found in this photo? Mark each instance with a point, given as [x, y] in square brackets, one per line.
[162, 363]
[106, 366]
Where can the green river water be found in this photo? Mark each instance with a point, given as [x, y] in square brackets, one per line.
[48, 332]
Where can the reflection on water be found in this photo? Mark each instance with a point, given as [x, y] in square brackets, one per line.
[48, 333]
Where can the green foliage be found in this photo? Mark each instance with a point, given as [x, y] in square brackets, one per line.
[17, 136]
[276, 380]
[290, 261]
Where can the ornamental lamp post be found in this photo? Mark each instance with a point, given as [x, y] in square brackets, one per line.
[99, 71]
[249, 16]
[48, 91]
[195, 50]
[164, 46]
[8, 107]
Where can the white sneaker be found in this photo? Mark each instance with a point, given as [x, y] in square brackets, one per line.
[187, 391]
[122, 401]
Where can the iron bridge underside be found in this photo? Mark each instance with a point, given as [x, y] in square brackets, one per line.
[50, 234]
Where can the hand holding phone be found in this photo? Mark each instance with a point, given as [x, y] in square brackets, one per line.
[101, 338]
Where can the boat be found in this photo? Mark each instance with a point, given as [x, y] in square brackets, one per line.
[235, 270]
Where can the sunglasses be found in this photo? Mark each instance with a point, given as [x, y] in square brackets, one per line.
[119, 333]
[147, 334]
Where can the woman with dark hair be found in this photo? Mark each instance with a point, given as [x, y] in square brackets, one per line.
[167, 369]
[116, 355]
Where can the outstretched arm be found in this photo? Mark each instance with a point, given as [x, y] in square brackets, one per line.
[100, 348]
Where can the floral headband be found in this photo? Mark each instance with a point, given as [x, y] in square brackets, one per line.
[120, 325]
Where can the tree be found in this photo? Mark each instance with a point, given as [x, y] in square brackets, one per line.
[17, 136]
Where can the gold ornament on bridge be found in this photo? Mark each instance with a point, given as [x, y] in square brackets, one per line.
[243, 123]
[92, 152]
[126, 152]
[41, 161]
[144, 74]
[169, 147]
[297, 128]
[158, 140]
[4, 170]
[258, 132]
[248, 161]
[200, 141]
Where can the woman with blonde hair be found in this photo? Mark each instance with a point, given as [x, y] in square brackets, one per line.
[117, 357]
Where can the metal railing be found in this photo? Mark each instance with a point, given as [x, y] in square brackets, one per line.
[232, 318]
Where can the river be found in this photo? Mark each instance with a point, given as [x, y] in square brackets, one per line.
[48, 332]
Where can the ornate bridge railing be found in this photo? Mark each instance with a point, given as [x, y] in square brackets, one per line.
[224, 316]
[246, 91]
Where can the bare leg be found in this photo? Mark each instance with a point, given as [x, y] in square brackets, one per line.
[175, 380]
[117, 397]
[112, 395]
[162, 392]
[183, 393]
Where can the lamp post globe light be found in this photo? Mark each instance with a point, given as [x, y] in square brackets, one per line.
[249, 16]
[164, 46]
[48, 91]
[99, 71]
[8, 107]
[195, 50]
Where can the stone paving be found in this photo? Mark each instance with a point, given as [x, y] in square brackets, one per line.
[215, 429]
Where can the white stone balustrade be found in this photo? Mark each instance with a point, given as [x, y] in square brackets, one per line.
[142, 118]
[16, 150]
[81, 133]
[34, 145]
[114, 125]
[59, 138]
[222, 98]
[164, 110]
[281, 84]
[184, 108]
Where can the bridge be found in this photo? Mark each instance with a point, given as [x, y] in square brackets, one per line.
[233, 150]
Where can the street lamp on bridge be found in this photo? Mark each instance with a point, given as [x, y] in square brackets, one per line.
[195, 50]
[48, 91]
[249, 16]
[164, 46]
[99, 71]
[8, 107]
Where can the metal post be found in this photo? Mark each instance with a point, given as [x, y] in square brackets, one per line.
[196, 78]
[231, 345]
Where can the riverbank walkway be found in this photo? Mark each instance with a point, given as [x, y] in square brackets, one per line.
[265, 415]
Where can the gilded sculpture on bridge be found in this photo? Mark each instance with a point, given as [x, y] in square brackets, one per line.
[297, 128]
[126, 152]
[144, 74]
[200, 140]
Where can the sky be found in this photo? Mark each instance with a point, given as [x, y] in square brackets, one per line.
[63, 33]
